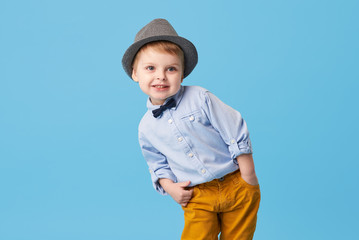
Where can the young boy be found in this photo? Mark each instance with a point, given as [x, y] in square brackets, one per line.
[197, 148]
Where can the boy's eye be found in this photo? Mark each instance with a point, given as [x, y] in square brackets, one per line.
[151, 68]
[171, 69]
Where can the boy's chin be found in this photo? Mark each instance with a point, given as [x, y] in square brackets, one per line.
[157, 101]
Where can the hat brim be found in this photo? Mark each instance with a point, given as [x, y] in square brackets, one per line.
[189, 50]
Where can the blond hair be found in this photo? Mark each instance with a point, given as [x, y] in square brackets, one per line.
[161, 46]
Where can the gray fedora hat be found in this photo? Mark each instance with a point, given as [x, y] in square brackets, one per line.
[160, 30]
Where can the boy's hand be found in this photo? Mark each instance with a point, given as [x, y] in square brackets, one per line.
[178, 191]
[246, 166]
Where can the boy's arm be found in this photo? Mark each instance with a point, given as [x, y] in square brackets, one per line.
[246, 166]
[178, 191]
[229, 124]
[157, 164]
[233, 130]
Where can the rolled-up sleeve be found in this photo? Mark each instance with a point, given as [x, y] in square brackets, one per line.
[157, 164]
[229, 123]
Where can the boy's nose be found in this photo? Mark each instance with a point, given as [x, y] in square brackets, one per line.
[161, 75]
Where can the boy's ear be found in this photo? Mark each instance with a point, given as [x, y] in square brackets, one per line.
[134, 75]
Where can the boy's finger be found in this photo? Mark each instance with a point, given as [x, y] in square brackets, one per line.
[185, 184]
[188, 196]
[189, 193]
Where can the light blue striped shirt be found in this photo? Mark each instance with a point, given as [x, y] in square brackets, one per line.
[198, 140]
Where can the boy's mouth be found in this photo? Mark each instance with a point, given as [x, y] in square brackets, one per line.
[159, 86]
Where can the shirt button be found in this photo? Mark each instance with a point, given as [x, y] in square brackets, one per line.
[233, 141]
[180, 139]
[203, 171]
[191, 118]
[170, 121]
[190, 155]
[150, 171]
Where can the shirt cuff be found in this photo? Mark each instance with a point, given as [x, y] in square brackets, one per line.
[156, 175]
[239, 148]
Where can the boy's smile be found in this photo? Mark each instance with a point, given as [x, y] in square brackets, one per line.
[159, 74]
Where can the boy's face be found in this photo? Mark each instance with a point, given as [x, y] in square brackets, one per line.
[159, 74]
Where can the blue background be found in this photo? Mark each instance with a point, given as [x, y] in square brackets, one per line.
[70, 164]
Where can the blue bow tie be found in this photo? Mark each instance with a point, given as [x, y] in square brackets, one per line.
[158, 112]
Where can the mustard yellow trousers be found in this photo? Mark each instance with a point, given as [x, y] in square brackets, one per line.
[228, 206]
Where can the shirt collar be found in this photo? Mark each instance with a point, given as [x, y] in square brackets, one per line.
[177, 97]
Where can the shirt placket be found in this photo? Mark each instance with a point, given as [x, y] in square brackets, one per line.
[186, 149]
